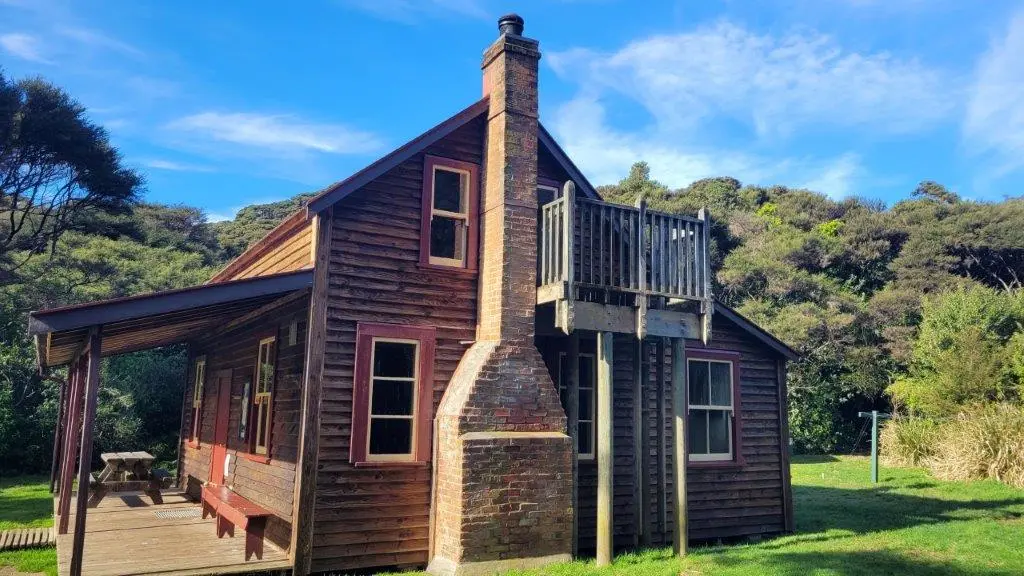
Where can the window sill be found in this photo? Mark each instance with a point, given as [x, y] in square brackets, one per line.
[715, 464]
[258, 458]
[391, 464]
[464, 272]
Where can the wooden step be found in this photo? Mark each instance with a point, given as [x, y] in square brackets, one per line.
[20, 538]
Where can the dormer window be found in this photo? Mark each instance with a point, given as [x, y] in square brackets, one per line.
[449, 222]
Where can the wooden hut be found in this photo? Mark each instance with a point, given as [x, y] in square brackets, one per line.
[458, 358]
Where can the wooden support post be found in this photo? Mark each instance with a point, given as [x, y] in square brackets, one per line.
[638, 442]
[680, 541]
[662, 437]
[572, 401]
[92, 384]
[565, 305]
[304, 493]
[71, 435]
[58, 436]
[640, 240]
[605, 456]
[707, 302]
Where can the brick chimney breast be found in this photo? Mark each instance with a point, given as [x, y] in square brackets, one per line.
[504, 462]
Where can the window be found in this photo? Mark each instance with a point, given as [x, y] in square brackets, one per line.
[587, 408]
[393, 394]
[449, 226]
[263, 398]
[547, 190]
[199, 372]
[712, 415]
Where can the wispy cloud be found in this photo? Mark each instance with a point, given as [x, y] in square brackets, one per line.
[158, 164]
[774, 84]
[24, 46]
[276, 133]
[96, 39]
[606, 154]
[994, 121]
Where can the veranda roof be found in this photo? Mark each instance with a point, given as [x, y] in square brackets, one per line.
[157, 319]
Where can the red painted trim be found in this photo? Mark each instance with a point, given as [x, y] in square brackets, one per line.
[737, 420]
[426, 205]
[258, 458]
[365, 333]
[220, 427]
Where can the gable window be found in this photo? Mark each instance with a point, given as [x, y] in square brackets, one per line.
[449, 220]
[587, 409]
[712, 390]
[199, 373]
[263, 396]
[393, 394]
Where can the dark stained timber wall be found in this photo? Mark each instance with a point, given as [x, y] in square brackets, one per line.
[267, 482]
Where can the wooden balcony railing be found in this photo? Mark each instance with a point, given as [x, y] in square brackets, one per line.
[591, 245]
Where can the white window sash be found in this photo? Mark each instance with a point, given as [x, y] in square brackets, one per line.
[464, 186]
[727, 408]
[370, 416]
[592, 409]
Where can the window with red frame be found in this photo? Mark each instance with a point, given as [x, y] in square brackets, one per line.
[392, 404]
[712, 387]
[199, 373]
[263, 394]
[449, 221]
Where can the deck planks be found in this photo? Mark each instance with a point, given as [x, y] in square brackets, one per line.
[20, 538]
[124, 536]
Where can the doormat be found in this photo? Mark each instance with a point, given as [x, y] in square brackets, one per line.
[179, 514]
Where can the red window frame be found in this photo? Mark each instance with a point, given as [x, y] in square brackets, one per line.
[366, 334]
[737, 406]
[473, 211]
[198, 381]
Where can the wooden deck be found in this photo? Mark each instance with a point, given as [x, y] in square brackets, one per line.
[126, 534]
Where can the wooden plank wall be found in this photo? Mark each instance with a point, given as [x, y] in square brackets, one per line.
[269, 484]
[291, 253]
[379, 516]
[723, 502]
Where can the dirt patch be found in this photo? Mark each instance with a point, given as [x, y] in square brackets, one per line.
[10, 571]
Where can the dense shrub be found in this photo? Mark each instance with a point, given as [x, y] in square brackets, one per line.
[982, 442]
[907, 441]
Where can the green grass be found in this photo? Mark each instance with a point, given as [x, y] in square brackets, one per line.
[25, 502]
[908, 524]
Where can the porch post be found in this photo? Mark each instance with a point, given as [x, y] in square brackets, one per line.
[57, 435]
[605, 456]
[572, 401]
[646, 536]
[92, 382]
[680, 539]
[71, 431]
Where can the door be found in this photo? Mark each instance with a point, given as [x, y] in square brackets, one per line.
[220, 431]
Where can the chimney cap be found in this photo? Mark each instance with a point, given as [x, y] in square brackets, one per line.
[511, 24]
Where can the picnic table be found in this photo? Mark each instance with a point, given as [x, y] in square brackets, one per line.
[126, 472]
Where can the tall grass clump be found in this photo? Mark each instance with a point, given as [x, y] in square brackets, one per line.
[986, 442]
[907, 441]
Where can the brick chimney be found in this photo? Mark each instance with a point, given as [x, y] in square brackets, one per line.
[504, 462]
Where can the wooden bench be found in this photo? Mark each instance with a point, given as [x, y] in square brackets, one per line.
[231, 510]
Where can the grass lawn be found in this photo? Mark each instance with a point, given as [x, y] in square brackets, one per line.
[908, 524]
[25, 502]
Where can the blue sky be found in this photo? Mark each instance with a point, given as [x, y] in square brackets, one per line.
[222, 104]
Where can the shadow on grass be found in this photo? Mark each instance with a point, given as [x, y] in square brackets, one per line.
[814, 459]
[866, 563]
[25, 502]
[882, 509]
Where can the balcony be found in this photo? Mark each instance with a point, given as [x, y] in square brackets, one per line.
[623, 268]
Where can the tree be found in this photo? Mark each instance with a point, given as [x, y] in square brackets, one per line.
[55, 167]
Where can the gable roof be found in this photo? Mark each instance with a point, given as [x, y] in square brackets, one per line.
[335, 192]
[756, 331]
